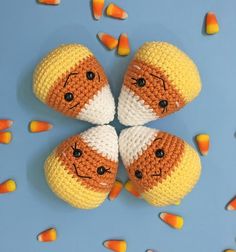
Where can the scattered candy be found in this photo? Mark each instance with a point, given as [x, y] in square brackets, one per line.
[39, 126]
[116, 12]
[212, 26]
[203, 143]
[50, 2]
[8, 186]
[172, 220]
[5, 124]
[229, 250]
[116, 245]
[5, 137]
[48, 235]
[98, 6]
[107, 40]
[115, 191]
[123, 46]
[231, 205]
[131, 189]
[150, 250]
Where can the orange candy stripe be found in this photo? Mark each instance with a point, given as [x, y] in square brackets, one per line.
[50, 2]
[48, 235]
[116, 190]
[203, 143]
[231, 205]
[212, 25]
[131, 189]
[5, 137]
[39, 126]
[116, 12]
[98, 6]
[8, 186]
[5, 124]
[172, 220]
[107, 40]
[116, 245]
[123, 46]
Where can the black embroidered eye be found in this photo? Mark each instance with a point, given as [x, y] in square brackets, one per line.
[138, 174]
[101, 170]
[159, 153]
[90, 75]
[163, 103]
[68, 97]
[77, 153]
[141, 82]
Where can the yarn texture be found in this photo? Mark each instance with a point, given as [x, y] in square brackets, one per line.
[83, 168]
[161, 166]
[160, 80]
[71, 80]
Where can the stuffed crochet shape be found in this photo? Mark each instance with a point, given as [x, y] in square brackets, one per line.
[160, 80]
[162, 167]
[71, 80]
[82, 169]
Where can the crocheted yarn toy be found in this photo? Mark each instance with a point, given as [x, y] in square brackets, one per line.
[82, 169]
[71, 80]
[160, 80]
[162, 167]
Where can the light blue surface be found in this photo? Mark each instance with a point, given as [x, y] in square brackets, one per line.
[28, 31]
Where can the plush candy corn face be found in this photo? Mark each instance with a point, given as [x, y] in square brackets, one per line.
[71, 80]
[82, 169]
[159, 81]
[161, 166]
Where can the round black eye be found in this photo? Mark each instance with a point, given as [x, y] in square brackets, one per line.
[160, 153]
[77, 153]
[138, 174]
[90, 75]
[101, 170]
[69, 97]
[141, 82]
[163, 103]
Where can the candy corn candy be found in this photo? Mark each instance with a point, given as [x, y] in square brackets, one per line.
[115, 191]
[107, 40]
[231, 205]
[229, 250]
[5, 124]
[203, 143]
[116, 12]
[98, 6]
[39, 126]
[5, 137]
[212, 25]
[131, 189]
[172, 220]
[48, 235]
[8, 186]
[50, 2]
[116, 245]
[123, 46]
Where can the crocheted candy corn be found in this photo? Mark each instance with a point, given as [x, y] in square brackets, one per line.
[116, 245]
[107, 40]
[48, 235]
[116, 12]
[5, 124]
[116, 190]
[98, 6]
[71, 80]
[82, 169]
[212, 25]
[161, 166]
[175, 221]
[160, 80]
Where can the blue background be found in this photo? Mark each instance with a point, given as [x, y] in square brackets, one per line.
[28, 31]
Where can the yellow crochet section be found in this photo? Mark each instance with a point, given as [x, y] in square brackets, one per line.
[55, 64]
[176, 65]
[68, 188]
[173, 189]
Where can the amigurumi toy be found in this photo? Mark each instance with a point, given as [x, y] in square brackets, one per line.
[162, 167]
[82, 169]
[160, 80]
[71, 80]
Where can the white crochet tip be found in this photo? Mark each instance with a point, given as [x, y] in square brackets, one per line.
[134, 141]
[100, 109]
[104, 140]
[132, 110]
